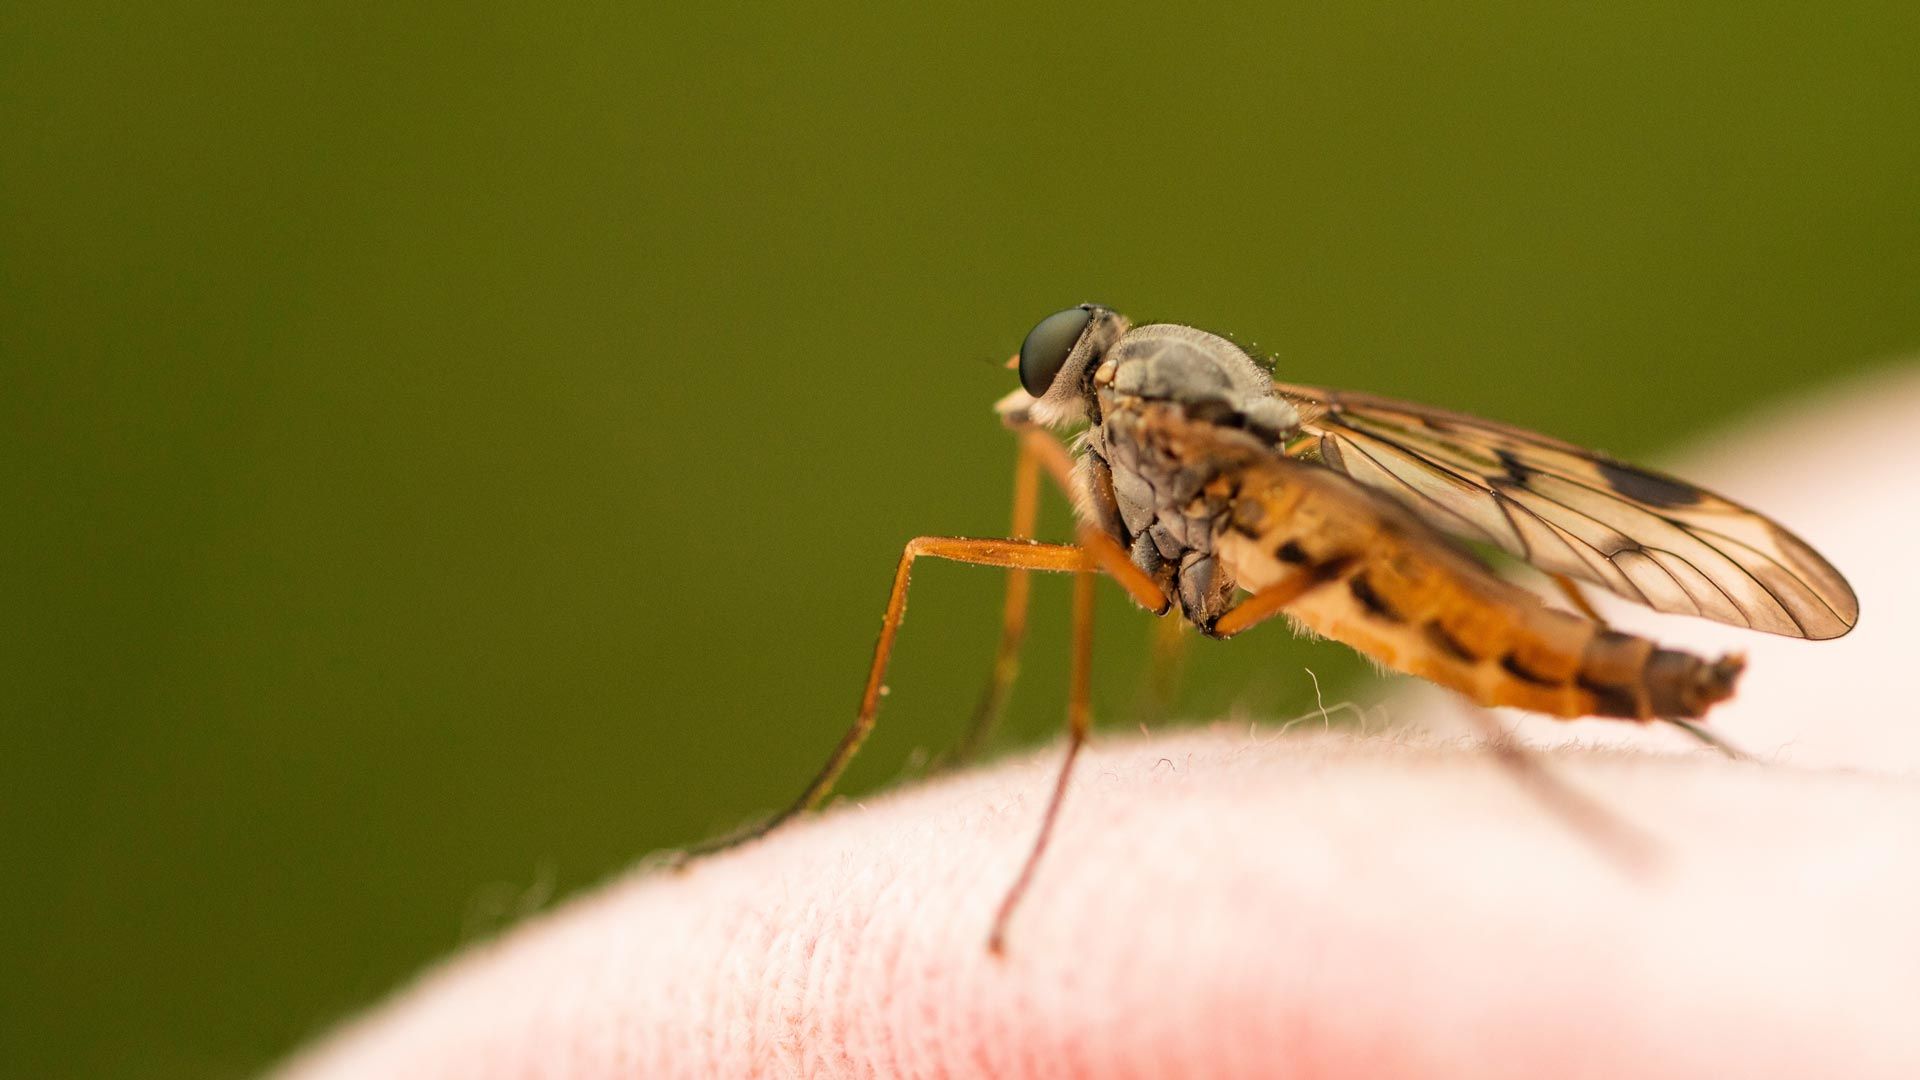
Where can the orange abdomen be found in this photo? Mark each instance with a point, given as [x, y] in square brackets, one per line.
[1399, 593]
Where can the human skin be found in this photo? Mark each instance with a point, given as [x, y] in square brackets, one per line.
[1235, 901]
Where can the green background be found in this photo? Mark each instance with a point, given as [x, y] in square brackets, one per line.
[450, 452]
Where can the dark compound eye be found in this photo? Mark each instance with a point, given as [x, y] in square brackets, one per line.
[1048, 345]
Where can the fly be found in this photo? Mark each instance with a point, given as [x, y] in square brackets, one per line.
[1202, 486]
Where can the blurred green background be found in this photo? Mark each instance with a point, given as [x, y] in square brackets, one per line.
[452, 451]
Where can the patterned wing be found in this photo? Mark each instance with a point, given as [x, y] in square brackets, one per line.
[1567, 510]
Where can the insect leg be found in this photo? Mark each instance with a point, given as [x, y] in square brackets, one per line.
[1010, 554]
[1270, 601]
[1701, 733]
[1105, 549]
[1079, 720]
[1571, 590]
[1013, 618]
[1616, 837]
[1165, 665]
[1040, 450]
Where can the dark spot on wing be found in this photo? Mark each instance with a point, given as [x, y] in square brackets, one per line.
[1647, 487]
[1516, 471]
[1291, 552]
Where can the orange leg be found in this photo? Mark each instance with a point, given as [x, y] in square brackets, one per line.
[1571, 590]
[1273, 599]
[1105, 549]
[1040, 450]
[1165, 666]
[1079, 722]
[1013, 619]
[1010, 554]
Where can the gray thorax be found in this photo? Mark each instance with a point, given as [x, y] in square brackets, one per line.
[1149, 496]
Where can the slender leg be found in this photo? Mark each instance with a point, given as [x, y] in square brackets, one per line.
[1571, 590]
[1079, 720]
[1013, 618]
[1011, 554]
[1612, 835]
[1105, 549]
[1165, 666]
[1273, 599]
[1616, 838]
[1040, 450]
[1709, 738]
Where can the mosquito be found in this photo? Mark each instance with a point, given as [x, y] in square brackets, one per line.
[1204, 487]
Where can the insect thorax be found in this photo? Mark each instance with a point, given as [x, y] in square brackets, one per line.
[1182, 415]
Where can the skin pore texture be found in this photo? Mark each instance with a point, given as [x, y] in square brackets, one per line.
[1227, 901]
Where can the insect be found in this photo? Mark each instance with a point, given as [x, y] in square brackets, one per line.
[1203, 487]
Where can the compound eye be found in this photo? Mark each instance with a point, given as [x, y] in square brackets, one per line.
[1047, 346]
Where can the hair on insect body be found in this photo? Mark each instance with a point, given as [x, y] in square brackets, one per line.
[1210, 492]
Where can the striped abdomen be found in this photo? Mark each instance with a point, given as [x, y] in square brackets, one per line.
[1399, 593]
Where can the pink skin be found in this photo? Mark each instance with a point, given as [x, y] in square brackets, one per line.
[1226, 903]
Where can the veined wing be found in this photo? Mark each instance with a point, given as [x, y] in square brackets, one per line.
[1568, 510]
